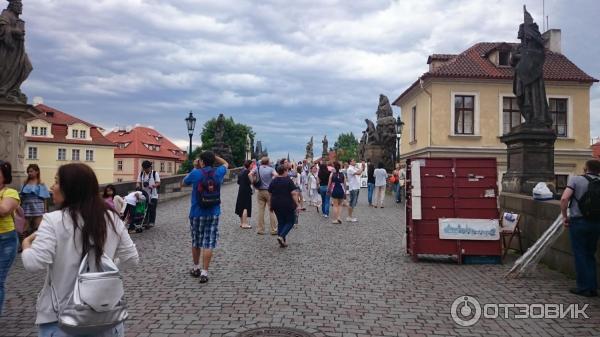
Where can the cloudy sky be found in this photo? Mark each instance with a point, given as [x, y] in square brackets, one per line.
[290, 69]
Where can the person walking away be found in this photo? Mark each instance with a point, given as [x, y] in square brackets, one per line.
[336, 189]
[401, 182]
[370, 181]
[582, 199]
[284, 203]
[261, 179]
[205, 210]
[243, 204]
[313, 188]
[83, 224]
[380, 183]
[301, 182]
[353, 173]
[34, 195]
[323, 176]
[9, 240]
[149, 181]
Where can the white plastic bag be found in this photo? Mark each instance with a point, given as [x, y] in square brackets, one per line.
[542, 192]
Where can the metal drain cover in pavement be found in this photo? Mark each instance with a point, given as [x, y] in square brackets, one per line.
[274, 332]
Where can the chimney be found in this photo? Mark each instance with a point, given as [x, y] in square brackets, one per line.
[37, 100]
[552, 39]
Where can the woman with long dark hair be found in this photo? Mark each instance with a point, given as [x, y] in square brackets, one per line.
[33, 198]
[323, 176]
[336, 189]
[243, 205]
[9, 202]
[84, 223]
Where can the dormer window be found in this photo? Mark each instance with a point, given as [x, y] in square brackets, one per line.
[34, 130]
[43, 131]
[503, 58]
[75, 134]
[82, 134]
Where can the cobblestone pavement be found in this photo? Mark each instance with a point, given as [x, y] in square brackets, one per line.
[334, 280]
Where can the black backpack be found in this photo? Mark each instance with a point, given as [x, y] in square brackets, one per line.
[258, 182]
[589, 203]
[209, 189]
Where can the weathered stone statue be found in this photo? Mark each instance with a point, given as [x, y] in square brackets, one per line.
[248, 147]
[309, 150]
[384, 109]
[220, 148]
[530, 146]
[372, 135]
[325, 153]
[528, 85]
[14, 63]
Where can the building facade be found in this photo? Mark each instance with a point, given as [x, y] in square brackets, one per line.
[54, 138]
[135, 145]
[465, 103]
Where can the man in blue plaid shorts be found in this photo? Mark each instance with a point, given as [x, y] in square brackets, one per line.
[204, 221]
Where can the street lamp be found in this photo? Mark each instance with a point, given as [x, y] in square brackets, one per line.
[399, 125]
[191, 124]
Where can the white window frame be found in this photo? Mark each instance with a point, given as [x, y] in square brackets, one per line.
[89, 155]
[74, 133]
[569, 113]
[43, 131]
[476, 112]
[501, 112]
[32, 150]
[73, 154]
[82, 134]
[34, 131]
[58, 154]
[162, 167]
[120, 165]
[413, 125]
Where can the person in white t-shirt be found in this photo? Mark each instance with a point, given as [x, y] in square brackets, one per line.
[353, 174]
[149, 181]
[380, 182]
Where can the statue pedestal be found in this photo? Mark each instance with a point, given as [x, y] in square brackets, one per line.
[375, 153]
[224, 151]
[13, 124]
[530, 157]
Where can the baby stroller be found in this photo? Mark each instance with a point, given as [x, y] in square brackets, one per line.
[139, 213]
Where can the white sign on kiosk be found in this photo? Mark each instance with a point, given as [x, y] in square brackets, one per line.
[469, 229]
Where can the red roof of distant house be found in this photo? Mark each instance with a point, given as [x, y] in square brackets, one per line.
[596, 150]
[144, 142]
[60, 122]
[474, 64]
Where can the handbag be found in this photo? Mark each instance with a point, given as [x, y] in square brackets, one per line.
[258, 183]
[97, 302]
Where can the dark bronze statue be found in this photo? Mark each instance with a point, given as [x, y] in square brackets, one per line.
[528, 86]
[384, 109]
[325, 142]
[309, 149]
[14, 63]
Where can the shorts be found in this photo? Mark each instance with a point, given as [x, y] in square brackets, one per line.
[353, 198]
[205, 231]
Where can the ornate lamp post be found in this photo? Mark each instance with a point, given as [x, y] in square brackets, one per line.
[191, 124]
[399, 125]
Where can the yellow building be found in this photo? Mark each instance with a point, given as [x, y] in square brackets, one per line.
[465, 103]
[54, 138]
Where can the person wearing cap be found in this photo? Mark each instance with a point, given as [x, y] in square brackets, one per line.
[149, 181]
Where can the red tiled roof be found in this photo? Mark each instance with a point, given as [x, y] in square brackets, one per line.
[139, 136]
[60, 122]
[440, 57]
[474, 64]
[596, 150]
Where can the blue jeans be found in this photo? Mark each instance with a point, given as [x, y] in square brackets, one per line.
[584, 236]
[52, 330]
[398, 192]
[325, 200]
[285, 222]
[8, 248]
[370, 189]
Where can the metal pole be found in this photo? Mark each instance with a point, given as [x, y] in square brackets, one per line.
[190, 153]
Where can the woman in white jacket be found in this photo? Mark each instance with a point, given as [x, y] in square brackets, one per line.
[83, 223]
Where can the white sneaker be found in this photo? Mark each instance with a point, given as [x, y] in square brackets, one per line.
[354, 220]
[349, 219]
[325, 216]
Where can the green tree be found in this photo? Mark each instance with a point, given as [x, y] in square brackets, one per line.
[346, 147]
[234, 136]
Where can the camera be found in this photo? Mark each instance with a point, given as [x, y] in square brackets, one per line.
[146, 184]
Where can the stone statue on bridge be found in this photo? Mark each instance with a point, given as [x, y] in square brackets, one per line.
[325, 154]
[378, 142]
[309, 150]
[220, 148]
[14, 62]
[528, 84]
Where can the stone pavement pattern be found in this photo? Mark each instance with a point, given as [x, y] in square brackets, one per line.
[344, 280]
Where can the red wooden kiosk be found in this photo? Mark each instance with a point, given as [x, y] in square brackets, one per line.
[450, 188]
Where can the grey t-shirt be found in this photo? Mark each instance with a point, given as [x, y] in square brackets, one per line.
[266, 176]
[579, 185]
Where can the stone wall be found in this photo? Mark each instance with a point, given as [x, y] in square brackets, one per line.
[537, 217]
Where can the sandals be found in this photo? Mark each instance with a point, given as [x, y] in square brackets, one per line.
[245, 226]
